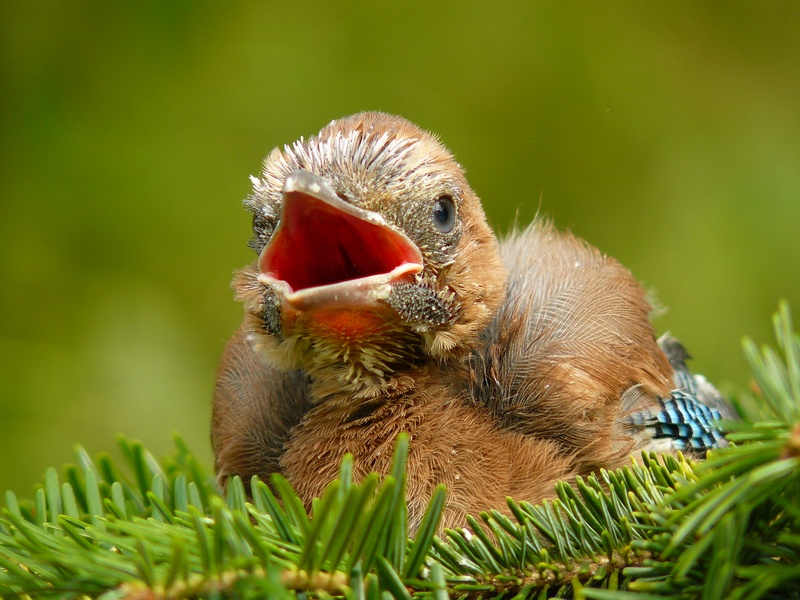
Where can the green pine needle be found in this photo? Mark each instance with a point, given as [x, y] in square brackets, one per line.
[663, 527]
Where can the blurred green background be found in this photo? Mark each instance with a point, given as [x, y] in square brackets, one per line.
[667, 134]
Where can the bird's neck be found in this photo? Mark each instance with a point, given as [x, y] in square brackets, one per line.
[354, 354]
[353, 372]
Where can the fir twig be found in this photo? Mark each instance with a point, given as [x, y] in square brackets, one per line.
[726, 528]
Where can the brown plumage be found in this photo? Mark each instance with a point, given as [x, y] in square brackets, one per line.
[381, 302]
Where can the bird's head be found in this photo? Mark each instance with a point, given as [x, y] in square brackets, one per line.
[373, 253]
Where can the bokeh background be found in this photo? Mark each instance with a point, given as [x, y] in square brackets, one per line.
[667, 134]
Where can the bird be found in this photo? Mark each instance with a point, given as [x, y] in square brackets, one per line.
[380, 302]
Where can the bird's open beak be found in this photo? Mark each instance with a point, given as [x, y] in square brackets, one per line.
[327, 253]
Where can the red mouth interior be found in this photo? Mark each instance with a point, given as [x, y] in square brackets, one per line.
[318, 244]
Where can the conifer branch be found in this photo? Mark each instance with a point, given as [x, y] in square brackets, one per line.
[725, 528]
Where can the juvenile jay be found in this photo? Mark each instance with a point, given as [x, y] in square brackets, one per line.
[381, 302]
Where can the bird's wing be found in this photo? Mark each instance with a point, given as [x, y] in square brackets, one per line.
[572, 335]
[255, 406]
[688, 419]
[572, 356]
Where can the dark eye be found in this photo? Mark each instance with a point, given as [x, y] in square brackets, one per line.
[444, 214]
